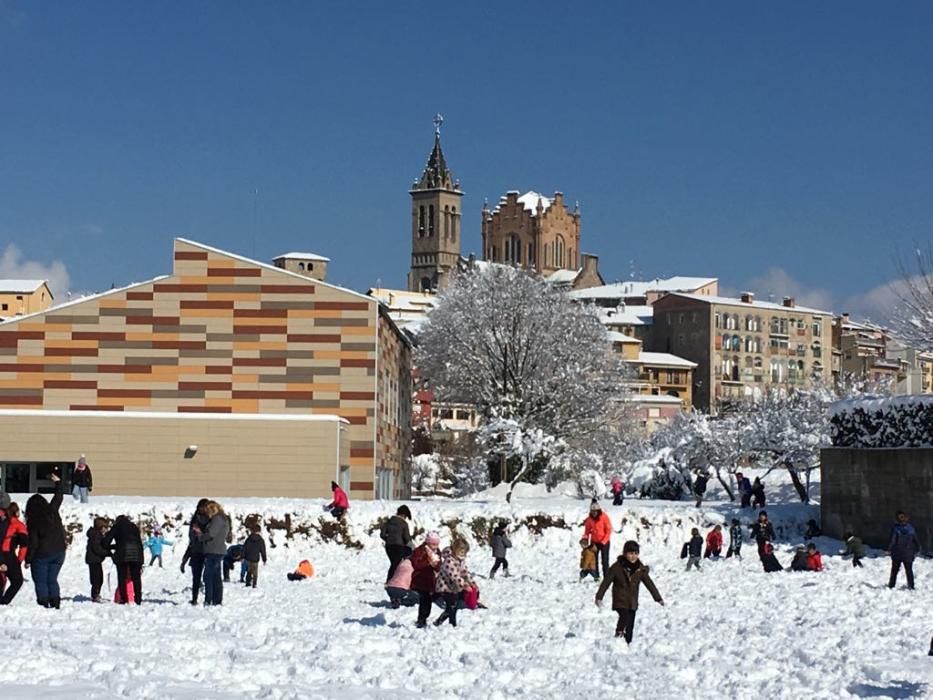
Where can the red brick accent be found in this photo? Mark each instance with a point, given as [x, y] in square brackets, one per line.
[205, 409]
[71, 352]
[190, 255]
[97, 335]
[357, 363]
[342, 305]
[205, 386]
[124, 393]
[313, 338]
[286, 289]
[205, 304]
[69, 384]
[263, 330]
[234, 272]
[357, 395]
[361, 486]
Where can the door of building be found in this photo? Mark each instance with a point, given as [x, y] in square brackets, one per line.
[15, 478]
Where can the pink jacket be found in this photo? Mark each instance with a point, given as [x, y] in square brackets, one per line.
[402, 576]
[340, 499]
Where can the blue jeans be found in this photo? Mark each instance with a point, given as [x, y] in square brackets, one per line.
[213, 579]
[45, 576]
[80, 492]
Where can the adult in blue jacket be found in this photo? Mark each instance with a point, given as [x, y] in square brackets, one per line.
[903, 548]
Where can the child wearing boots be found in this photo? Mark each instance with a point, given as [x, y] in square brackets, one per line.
[155, 545]
[94, 556]
[254, 549]
[500, 543]
[453, 578]
[625, 576]
[693, 550]
[855, 547]
[588, 560]
[735, 540]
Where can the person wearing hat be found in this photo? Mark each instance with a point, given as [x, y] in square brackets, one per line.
[425, 561]
[625, 576]
[597, 528]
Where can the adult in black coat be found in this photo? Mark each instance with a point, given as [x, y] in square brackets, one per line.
[195, 552]
[126, 543]
[46, 553]
[397, 538]
[699, 487]
[762, 532]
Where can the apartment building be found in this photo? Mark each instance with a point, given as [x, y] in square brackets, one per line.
[742, 346]
[21, 297]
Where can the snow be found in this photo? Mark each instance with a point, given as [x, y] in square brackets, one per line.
[621, 290]
[768, 305]
[19, 286]
[616, 337]
[530, 200]
[663, 359]
[313, 257]
[729, 630]
[625, 315]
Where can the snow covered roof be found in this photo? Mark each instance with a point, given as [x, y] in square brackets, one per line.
[663, 359]
[627, 315]
[767, 305]
[404, 301]
[620, 290]
[313, 257]
[529, 201]
[562, 276]
[616, 337]
[653, 398]
[20, 286]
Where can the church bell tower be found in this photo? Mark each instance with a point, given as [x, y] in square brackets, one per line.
[435, 222]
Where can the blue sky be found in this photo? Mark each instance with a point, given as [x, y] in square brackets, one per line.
[785, 147]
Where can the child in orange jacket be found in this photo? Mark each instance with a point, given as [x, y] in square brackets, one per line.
[814, 558]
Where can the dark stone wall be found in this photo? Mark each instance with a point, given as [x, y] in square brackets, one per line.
[862, 489]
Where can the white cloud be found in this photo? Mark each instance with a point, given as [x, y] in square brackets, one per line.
[776, 283]
[13, 266]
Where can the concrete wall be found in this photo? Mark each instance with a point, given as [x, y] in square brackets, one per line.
[143, 454]
[862, 489]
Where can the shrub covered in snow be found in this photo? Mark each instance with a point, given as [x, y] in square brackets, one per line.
[660, 476]
[903, 421]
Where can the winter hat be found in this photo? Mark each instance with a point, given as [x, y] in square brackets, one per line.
[594, 506]
[432, 538]
[4, 500]
[631, 546]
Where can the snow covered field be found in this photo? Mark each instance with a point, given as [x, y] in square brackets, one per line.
[727, 631]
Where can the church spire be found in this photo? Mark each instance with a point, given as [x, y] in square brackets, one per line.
[437, 175]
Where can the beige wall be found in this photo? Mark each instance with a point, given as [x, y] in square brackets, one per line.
[144, 455]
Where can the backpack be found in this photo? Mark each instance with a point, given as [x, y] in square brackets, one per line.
[685, 550]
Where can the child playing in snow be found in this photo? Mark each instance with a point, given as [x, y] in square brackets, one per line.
[398, 587]
[254, 549]
[768, 560]
[799, 562]
[693, 550]
[813, 530]
[588, 560]
[625, 576]
[500, 543]
[94, 556]
[714, 542]
[855, 547]
[814, 558]
[453, 578]
[155, 543]
[425, 561]
[735, 540]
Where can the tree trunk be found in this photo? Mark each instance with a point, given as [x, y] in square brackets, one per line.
[725, 484]
[526, 465]
[798, 485]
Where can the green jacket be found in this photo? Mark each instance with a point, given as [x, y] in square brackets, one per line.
[855, 547]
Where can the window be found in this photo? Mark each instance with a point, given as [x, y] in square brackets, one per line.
[301, 266]
[801, 350]
[817, 349]
[559, 250]
[430, 220]
[717, 323]
[817, 328]
[778, 326]
[736, 343]
[513, 249]
[531, 254]
[759, 363]
[670, 376]
[4, 307]
[446, 222]
[778, 370]
[421, 222]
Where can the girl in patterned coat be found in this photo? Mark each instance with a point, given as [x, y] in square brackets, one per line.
[453, 578]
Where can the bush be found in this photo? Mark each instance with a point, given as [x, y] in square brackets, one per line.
[903, 421]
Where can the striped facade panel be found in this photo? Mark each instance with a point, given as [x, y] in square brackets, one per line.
[222, 334]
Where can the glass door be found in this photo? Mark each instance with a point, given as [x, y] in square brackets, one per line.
[15, 478]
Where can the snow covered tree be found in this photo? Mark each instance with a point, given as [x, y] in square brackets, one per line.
[535, 364]
[913, 321]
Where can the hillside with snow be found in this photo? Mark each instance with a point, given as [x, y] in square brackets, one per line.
[728, 631]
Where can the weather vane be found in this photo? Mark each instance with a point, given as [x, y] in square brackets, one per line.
[438, 120]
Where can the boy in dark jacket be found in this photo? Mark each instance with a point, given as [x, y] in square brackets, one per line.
[397, 537]
[254, 549]
[500, 543]
[735, 540]
[94, 556]
[625, 576]
[693, 549]
[904, 547]
[855, 547]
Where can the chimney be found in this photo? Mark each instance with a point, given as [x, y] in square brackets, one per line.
[789, 302]
[748, 298]
[590, 263]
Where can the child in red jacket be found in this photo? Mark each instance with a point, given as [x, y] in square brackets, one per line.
[714, 542]
[814, 558]
[11, 561]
